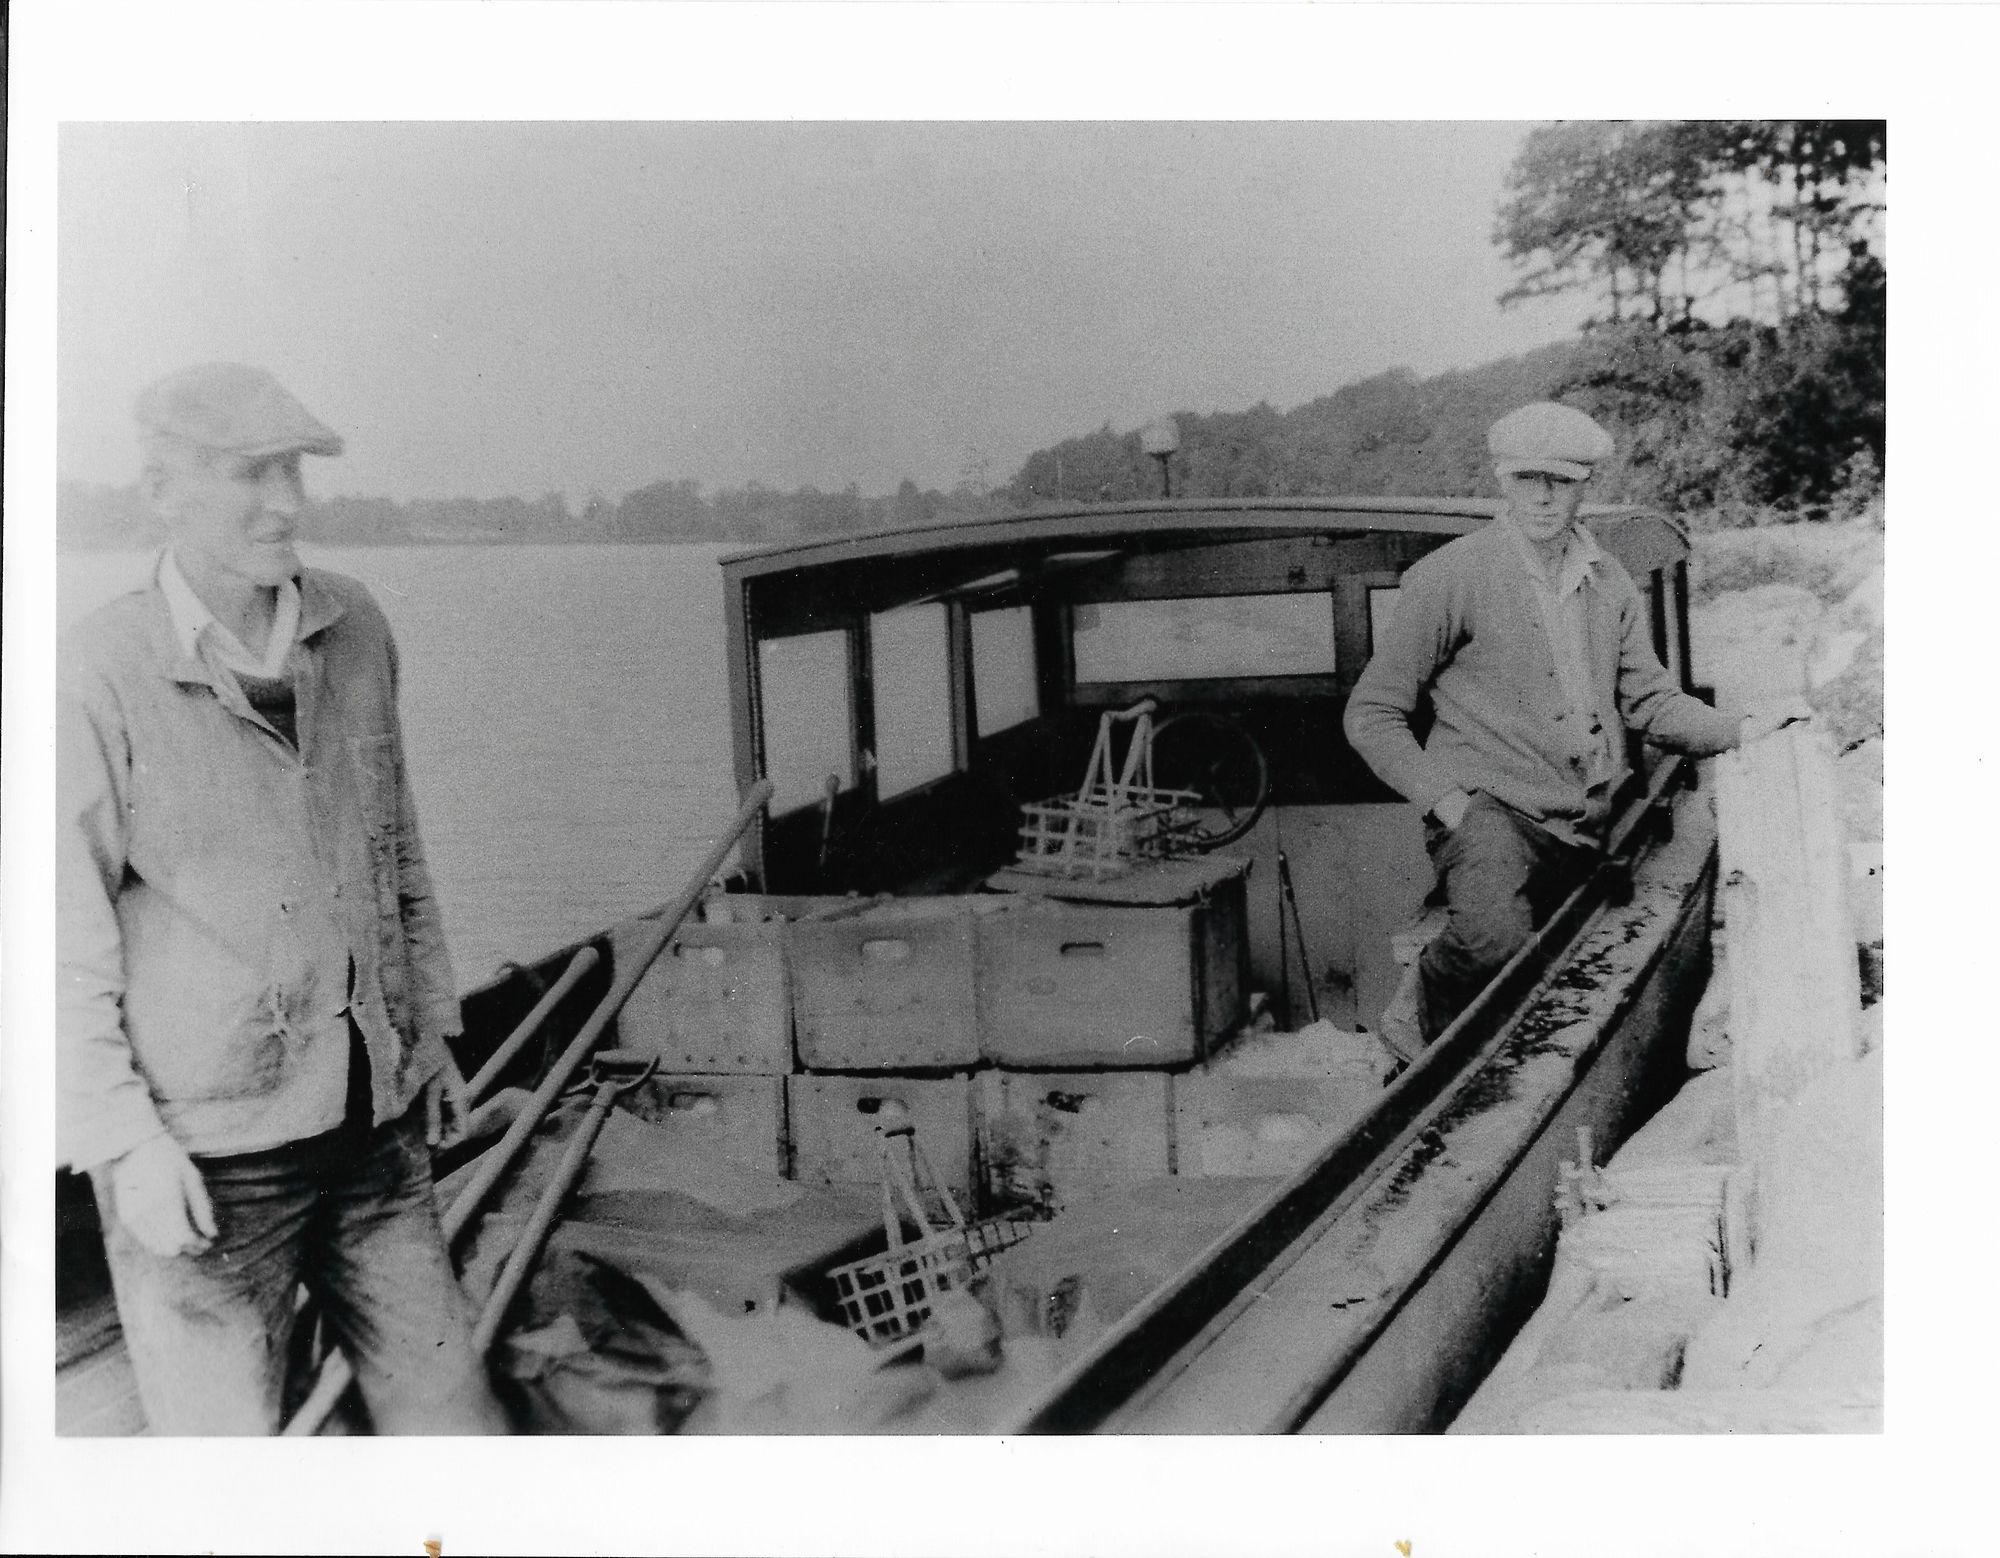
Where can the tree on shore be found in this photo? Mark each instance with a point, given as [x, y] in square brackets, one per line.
[1670, 223]
[1741, 296]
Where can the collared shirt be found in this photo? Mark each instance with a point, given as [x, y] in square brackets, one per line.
[198, 628]
[1560, 602]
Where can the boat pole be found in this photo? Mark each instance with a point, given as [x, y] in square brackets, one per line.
[612, 1072]
[336, 1374]
[585, 960]
[1291, 901]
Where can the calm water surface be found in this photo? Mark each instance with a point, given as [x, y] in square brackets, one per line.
[566, 714]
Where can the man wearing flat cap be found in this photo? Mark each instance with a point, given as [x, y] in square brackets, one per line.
[1530, 644]
[254, 996]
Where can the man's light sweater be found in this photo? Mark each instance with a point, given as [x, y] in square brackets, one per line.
[1467, 631]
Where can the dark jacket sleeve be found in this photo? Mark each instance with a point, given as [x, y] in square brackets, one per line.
[1421, 639]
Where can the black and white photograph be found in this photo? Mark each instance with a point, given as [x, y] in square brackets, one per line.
[937, 794]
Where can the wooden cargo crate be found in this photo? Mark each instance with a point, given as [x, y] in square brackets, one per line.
[836, 1119]
[717, 998]
[1142, 971]
[892, 987]
[735, 1119]
[1048, 1136]
[1267, 1102]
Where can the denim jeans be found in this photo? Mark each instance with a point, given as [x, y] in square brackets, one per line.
[1502, 875]
[352, 1214]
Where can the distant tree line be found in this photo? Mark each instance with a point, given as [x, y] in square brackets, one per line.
[93, 516]
[680, 511]
[1392, 434]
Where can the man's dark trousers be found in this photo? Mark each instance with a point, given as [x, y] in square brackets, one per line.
[1501, 874]
[352, 1212]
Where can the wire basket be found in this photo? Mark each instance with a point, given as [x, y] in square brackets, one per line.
[885, 1298]
[1115, 817]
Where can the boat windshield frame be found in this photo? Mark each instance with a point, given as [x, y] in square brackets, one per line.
[1053, 559]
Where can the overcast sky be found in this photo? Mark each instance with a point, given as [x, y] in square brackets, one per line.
[488, 308]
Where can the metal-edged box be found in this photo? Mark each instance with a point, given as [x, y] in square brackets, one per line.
[1267, 1102]
[1140, 971]
[889, 987]
[1256, 1127]
[1047, 1136]
[735, 1119]
[837, 1126]
[717, 999]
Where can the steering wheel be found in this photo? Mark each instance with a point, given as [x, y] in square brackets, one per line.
[1222, 763]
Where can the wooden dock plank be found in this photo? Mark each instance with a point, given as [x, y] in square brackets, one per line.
[1795, 991]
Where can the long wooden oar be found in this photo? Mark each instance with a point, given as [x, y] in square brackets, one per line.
[584, 961]
[612, 1072]
[336, 1374]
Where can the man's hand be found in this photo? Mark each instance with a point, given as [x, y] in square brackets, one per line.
[447, 1110]
[161, 1200]
[1450, 809]
[1772, 718]
[493, 1116]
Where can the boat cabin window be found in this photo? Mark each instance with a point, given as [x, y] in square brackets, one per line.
[946, 682]
[808, 722]
[1003, 669]
[1204, 638]
[911, 666]
[1381, 608]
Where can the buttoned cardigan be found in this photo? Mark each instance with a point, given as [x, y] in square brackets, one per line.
[1468, 636]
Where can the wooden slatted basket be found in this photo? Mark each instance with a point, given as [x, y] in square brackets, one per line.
[1117, 816]
[888, 1297]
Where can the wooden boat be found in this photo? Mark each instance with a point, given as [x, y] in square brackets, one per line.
[909, 693]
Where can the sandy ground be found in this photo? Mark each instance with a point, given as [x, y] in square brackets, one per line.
[1716, 1285]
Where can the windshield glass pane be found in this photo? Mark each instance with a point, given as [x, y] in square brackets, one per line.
[1003, 668]
[912, 672]
[807, 732]
[1201, 639]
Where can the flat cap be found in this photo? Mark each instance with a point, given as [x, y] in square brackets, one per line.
[1547, 437]
[233, 408]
